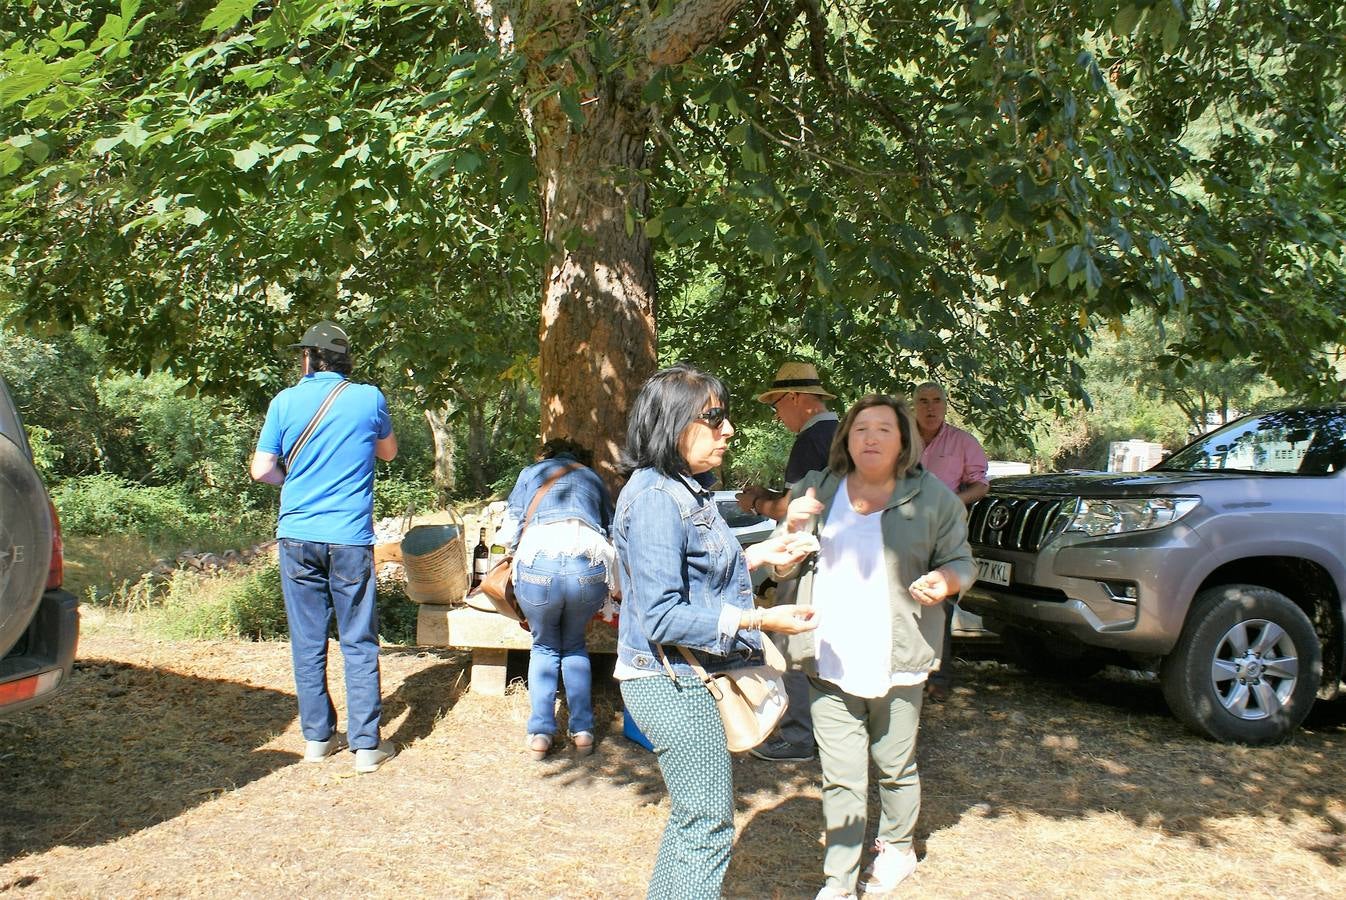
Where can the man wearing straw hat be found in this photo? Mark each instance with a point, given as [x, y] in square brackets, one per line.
[319, 442]
[800, 401]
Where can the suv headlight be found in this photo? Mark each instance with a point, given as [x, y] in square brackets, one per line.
[1094, 516]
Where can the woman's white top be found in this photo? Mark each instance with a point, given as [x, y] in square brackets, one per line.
[850, 592]
[566, 537]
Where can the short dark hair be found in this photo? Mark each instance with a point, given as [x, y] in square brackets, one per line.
[668, 402]
[559, 445]
[328, 361]
[839, 459]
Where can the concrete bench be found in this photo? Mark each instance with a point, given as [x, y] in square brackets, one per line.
[490, 637]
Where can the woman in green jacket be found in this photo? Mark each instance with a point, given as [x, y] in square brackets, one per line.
[893, 545]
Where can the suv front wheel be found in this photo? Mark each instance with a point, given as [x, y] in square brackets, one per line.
[1246, 667]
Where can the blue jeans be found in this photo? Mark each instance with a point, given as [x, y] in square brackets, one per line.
[320, 581]
[559, 595]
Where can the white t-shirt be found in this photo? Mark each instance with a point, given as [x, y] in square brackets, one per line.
[850, 591]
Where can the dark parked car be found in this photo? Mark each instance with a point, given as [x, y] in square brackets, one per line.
[1224, 567]
[39, 622]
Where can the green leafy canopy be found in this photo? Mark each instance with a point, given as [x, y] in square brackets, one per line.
[964, 191]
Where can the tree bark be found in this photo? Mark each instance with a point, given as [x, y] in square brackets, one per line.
[443, 473]
[597, 334]
[597, 337]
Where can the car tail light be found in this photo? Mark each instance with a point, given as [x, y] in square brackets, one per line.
[27, 688]
[56, 572]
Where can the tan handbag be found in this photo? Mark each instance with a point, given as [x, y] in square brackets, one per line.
[751, 700]
[498, 584]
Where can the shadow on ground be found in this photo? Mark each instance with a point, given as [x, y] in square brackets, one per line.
[1008, 743]
[126, 747]
[424, 696]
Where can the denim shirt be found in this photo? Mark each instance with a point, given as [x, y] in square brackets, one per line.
[580, 494]
[684, 578]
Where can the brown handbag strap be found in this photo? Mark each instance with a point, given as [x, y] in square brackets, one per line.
[542, 491]
[699, 669]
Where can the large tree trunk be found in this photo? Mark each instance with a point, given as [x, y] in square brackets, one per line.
[597, 334]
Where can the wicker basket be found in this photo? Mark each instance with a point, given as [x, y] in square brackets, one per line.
[435, 559]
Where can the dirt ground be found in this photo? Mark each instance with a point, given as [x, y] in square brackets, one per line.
[172, 769]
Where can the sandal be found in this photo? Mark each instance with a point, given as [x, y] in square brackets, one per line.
[583, 741]
[538, 745]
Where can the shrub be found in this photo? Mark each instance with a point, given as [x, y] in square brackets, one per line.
[760, 452]
[47, 452]
[397, 613]
[159, 435]
[102, 504]
[246, 604]
[108, 504]
[52, 381]
[392, 495]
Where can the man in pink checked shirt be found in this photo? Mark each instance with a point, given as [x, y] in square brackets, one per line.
[957, 459]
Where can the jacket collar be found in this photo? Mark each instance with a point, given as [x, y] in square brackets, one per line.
[903, 491]
[699, 485]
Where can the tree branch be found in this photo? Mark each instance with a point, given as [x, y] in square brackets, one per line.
[688, 28]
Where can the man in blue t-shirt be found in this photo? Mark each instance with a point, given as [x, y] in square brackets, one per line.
[319, 443]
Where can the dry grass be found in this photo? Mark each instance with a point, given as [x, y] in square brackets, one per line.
[98, 566]
[171, 769]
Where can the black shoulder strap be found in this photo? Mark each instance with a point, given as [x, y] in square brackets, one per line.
[313, 424]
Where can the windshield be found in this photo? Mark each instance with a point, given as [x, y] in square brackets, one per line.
[1287, 442]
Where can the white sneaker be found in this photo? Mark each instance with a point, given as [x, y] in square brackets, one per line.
[369, 760]
[890, 866]
[318, 751]
[831, 892]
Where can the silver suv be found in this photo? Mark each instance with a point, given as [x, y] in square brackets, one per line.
[39, 621]
[1224, 567]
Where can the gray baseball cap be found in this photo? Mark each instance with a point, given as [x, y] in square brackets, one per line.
[325, 336]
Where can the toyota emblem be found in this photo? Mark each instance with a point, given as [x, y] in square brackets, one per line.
[998, 518]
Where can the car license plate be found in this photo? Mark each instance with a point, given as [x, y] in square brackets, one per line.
[993, 571]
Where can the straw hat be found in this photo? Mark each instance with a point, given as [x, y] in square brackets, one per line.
[794, 377]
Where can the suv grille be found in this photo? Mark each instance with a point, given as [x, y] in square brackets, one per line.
[1012, 523]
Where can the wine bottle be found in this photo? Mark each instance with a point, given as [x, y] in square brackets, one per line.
[480, 558]
[497, 553]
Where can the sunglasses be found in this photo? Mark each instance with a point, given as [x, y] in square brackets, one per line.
[715, 416]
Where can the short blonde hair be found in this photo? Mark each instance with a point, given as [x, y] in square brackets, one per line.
[839, 458]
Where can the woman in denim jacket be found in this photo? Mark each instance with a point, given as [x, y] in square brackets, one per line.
[564, 569]
[685, 582]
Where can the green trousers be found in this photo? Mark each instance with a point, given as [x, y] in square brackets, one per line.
[849, 732]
